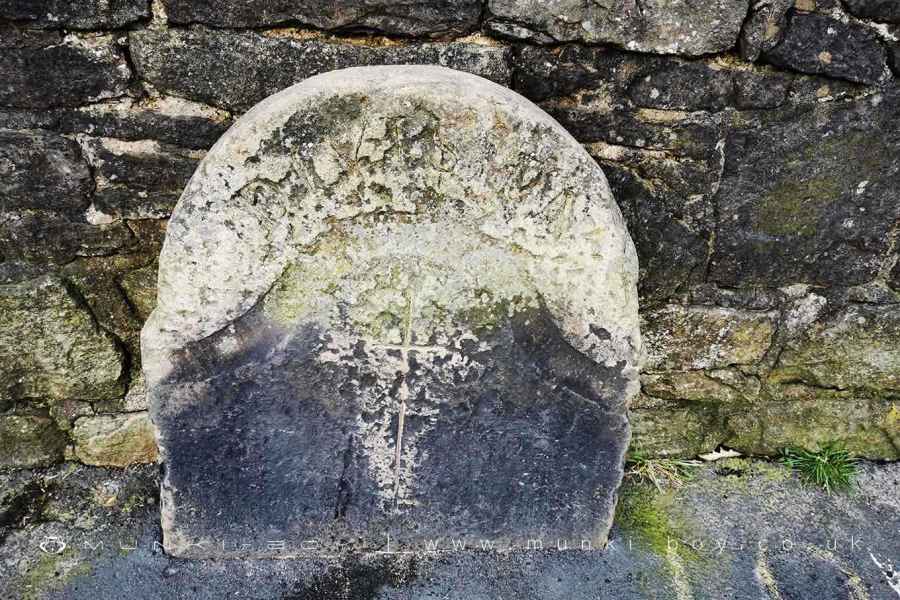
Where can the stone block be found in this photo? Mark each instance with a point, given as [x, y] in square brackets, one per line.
[28, 442]
[658, 26]
[114, 440]
[75, 14]
[42, 170]
[817, 44]
[682, 338]
[394, 302]
[855, 349]
[404, 17]
[808, 194]
[50, 346]
[44, 69]
[169, 120]
[237, 70]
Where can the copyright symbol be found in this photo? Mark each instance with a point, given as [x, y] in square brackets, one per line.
[52, 545]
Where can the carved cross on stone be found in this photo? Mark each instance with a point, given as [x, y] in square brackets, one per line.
[423, 278]
[402, 390]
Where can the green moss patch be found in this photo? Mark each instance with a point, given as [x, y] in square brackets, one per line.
[794, 207]
[52, 572]
[648, 516]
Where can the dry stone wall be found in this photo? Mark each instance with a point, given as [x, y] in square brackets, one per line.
[754, 151]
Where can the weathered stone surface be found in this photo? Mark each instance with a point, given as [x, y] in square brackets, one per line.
[671, 234]
[660, 26]
[51, 348]
[28, 119]
[140, 286]
[115, 440]
[65, 412]
[75, 14]
[542, 73]
[751, 297]
[136, 398]
[877, 10]
[406, 17]
[710, 386]
[168, 119]
[664, 164]
[42, 170]
[136, 180]
[809, 195]
[27, 441]
[856, 349]
[408, 261]
[868, 428]
[764, 28]
[690, 86]
[672, 429]
[238, 70]
[620, 81]
[41, 70]
[679, 85]
[664, 169]
[700, 337]
[821, 45]
[894, 274]
[97, 280]
[44, 236]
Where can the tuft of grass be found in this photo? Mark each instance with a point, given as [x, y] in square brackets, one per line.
[660, 472]
[831, 467]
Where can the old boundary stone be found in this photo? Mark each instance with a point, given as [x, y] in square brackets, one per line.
[396, 305]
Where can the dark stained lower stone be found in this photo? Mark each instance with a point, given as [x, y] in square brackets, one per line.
[821, 45]
[407, 17]
[521, 449]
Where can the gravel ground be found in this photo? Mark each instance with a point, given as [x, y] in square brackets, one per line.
[738, 529]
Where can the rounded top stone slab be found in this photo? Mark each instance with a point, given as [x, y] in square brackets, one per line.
[388, 298]
[431, 157]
